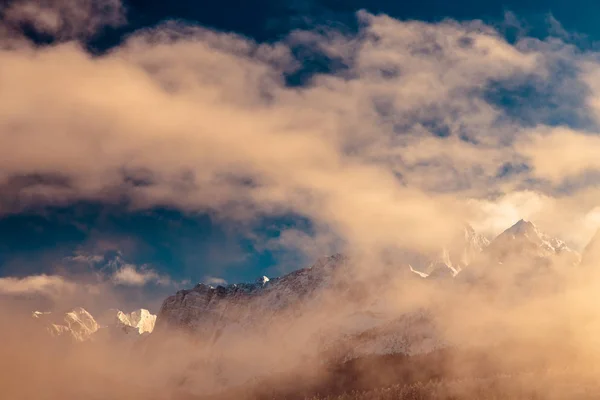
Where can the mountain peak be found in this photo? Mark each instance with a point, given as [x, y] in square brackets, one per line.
[141, 320]
[525, 238]
[523, 227]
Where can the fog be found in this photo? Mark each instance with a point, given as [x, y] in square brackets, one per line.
[526, 332]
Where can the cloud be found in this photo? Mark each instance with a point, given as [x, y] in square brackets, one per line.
[213, 280]
[562, 153]
[494, 216]
[573, 218]
[384, 152]
[129, 275]
[64, 19]
[222, 132]
[46, 285]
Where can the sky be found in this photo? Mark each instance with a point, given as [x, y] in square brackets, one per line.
[146, 146]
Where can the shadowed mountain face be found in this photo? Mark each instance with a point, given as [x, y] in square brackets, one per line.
[206, 310]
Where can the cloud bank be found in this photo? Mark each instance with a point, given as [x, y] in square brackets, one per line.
[389, 149]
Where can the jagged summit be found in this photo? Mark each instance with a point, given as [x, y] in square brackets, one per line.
[79, 325]
[141, 320]
[452, 257]
[523, 241]
[522, 226]
[76, 324]
[205, 308]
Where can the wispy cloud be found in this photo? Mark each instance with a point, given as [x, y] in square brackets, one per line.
[213, 280]
[129, 275]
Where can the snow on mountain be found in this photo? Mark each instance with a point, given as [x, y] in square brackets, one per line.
[205, 309]
[80, 325]
[452, 258]
[77, 324]
[524, 242]
[140, 319]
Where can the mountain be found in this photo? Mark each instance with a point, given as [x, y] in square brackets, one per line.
[206, 310]
[77, 324]
[525, 243]
[80, 326]
[452, 257]
[328, 311]
[341, 317]
[209, 311]
[139, 321]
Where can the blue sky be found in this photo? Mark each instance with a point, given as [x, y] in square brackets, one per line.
[268, 19]
[193, 234]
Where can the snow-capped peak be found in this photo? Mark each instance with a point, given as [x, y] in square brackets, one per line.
[522, 227]
[81, 326]
[142, 320]
[524, 238]
[77, 323]
[528, 230]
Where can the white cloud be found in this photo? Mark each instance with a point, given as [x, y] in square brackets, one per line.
[129, 275]
[213, 280]
[573, 218]
[491, 217]
[361, 153]
[560, 153]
